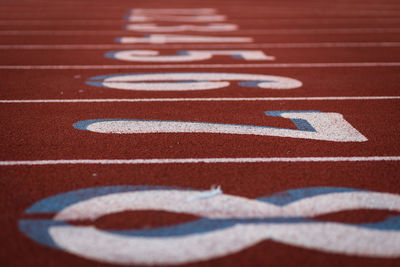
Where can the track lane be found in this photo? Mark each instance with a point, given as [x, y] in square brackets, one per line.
[70, 84]
[34, 183]
[282, 55]
[47, 132]
[275, 37]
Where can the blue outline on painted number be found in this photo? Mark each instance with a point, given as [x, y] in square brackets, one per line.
[111, 54]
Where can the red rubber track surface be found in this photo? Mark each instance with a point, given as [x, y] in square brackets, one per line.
[347, 53]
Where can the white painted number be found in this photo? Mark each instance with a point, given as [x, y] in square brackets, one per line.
[189, 81]
[212, 27]
[177, 38]
[187, 55]
[228, 222]
[173, 11]
[174, 18]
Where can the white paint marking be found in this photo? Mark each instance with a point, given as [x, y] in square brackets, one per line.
[151, 27]
[194, 99]
[321, 31]
[326, 126]
[203, 66]
[196, 160]
[244, 21]
[92, 243]
[187, 55]
[188, 81]
[174, 18]
[197, 46]
[173, 11]
[175, 38]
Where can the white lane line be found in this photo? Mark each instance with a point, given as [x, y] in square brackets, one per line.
[196, 160]
[322, 31]
[202, 66]
[217, 99]
[270, 21]
[250, 9]
[234, 8]
[243, 31]
[194, 46]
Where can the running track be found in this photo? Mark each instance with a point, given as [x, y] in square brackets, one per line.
[253, 133]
